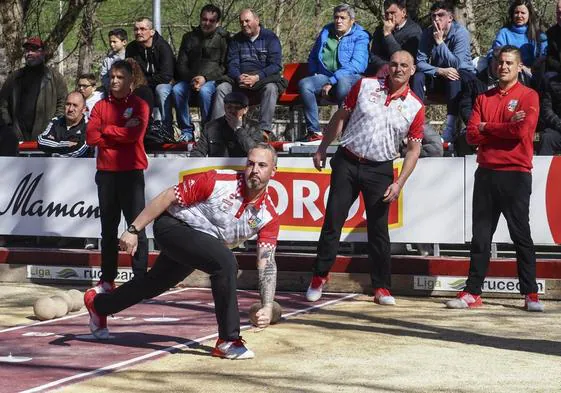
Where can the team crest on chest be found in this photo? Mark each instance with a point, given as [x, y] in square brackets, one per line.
[226, 205]
[512, 105]
[254, 222]
[127, 114]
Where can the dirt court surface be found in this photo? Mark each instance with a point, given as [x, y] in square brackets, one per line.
[349, 346]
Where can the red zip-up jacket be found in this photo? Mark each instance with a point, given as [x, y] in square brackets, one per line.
[504, 145]
[120, 148]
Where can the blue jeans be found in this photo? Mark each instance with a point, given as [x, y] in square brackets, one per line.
[182, 95]
[310, 88]
[451, 89]
[163, 102]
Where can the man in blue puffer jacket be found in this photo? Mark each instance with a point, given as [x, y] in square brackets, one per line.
[336, 62]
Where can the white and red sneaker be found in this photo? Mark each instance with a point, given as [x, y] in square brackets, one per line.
[234, 350]
[383, 297]
[465, 300]
[313, 294]
[98, 323]
[106, 286]
[532, 303]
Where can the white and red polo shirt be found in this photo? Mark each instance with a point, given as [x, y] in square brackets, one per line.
[379, 122]
[213, 202]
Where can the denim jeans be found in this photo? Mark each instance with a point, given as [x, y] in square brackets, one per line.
[310, 89]
[451, 89]
[182, 95]
[163, 102]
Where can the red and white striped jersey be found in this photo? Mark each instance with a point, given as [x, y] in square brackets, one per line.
[213, 202]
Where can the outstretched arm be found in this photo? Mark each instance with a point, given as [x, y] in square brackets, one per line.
[267, 271]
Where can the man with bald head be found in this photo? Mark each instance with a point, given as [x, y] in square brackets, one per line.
[376, 116]
[254, 68]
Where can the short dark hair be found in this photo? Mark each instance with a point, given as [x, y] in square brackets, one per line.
[442, 5]
[511, 49]
[145, 19]
[90, 77]
[211, 8]
[119, 33]
[268, 147]
[400, 3]
[123, 66]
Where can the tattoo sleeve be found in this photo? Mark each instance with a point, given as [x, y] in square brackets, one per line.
[267, 271]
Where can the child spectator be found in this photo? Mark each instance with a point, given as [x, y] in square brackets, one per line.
[118, 42]
[87, 87]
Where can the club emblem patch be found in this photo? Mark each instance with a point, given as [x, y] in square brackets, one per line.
[254, 222]
[226, 205]
[127, 114]
[512, 105]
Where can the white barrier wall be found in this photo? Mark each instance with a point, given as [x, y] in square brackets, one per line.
[58, 197]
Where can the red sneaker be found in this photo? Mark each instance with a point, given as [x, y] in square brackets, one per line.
[532, 303]
[313, 294]
[465, 300]
[234, 350]
[98, 323]
[105, 286]
[383, 297]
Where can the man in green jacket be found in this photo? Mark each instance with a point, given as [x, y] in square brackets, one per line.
[30, 97]
[200, 62]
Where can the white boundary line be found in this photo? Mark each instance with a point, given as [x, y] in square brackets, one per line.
[149, 355]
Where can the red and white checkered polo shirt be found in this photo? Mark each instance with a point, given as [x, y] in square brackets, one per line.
[213, 202]
[378, 122]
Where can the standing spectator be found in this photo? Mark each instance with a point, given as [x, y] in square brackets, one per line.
[117, 126]
[155, 57]
[337, 60]
[503, 124]
[254, 68]
[550, 117]
[117, 41]
[375, 117]
[200, 62]
[87, 86]
[522, 31]
[195, 227]
[65, 136]
[231, 135]
[444, 53]
[30, 98]
[553, 58]
[397, 32]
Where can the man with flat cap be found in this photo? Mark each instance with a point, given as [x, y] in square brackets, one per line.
[231, 135]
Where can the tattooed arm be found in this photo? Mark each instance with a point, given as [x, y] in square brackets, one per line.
[267, 270]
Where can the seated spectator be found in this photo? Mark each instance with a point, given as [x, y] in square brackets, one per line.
[444, 55]
[337, 60]
[231, 135]
[522, 31]
[254, 68]
[553, 57]
[117, 41]
[140, 86]
[155, 57]
[550, 118]
[200, 62]
[65, 136]
[87, 86]
[397, 32]
[30, 98]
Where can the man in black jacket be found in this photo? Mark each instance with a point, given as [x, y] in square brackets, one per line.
[155, 57]
[398, 32]
[550, 118]
[200, 62]
[230, 135]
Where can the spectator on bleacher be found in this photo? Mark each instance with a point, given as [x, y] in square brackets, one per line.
[200, 62]
[116, 127]
[231, 135]
[396, 33]
[337, 60]
[444, 55]
[154, 55]
[553, 57]
[522, 31]
[87, 86]
[140, 86]
[65, 136]
[30, 98]
[117, 41]
[254, 68]
[375, 117]
[550, 117]
[503, 124]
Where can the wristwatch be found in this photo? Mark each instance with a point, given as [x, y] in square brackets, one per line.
[132, 229]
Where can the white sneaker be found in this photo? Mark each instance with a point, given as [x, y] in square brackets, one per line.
[97, 323]
[234, 350]
[383, 297]
[532, 303]
[313, 294]
[465, 300]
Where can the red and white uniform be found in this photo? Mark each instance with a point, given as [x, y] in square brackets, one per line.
[213, 202]
[379, 122]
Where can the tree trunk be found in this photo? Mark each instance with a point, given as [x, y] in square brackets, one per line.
[12, 30]
[465, 15]
[87, 32]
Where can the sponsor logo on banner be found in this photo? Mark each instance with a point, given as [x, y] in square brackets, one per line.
[73, 273]
[300, 197]
[553, 198]
[451, 283]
